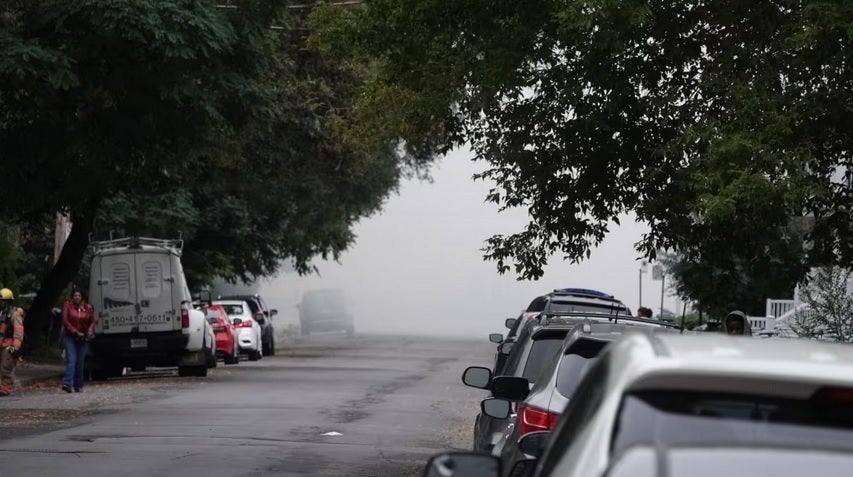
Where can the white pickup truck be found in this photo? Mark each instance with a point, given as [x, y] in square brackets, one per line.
[144, 311]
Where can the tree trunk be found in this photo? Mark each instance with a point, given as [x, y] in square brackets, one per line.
[38, 316]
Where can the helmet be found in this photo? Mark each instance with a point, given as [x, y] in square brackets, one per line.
[6, 294]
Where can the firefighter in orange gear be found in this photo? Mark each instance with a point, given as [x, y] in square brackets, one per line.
[12, 336]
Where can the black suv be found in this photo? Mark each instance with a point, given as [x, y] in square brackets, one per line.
[263, 315]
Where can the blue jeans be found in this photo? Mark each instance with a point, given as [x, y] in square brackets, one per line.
[75, 355]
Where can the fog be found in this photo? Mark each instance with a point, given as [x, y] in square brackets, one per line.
[417, 268]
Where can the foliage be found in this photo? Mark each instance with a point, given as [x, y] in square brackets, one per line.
[706, 119]
[159, 116]
[828, 306]
[721, 276]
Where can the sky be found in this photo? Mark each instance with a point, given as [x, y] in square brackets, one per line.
[417, 267]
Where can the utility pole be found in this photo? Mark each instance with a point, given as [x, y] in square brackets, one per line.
[643, 266]
[658, 274]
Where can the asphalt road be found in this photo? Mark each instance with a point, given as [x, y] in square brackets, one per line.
[394, 402]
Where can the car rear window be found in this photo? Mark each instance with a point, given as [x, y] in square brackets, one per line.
[671, 417]
[231, 310]
[573, 368]
[538, 304]
[558, 307]
[541, 353]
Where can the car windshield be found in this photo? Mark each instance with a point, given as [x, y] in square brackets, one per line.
[668, 417]
[541, 353]
[232, 310]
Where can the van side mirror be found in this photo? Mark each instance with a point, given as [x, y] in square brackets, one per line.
[510, 387]
[496, 337]
[510, 322]
[273, 312]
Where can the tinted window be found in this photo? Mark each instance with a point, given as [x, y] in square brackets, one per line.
[572, 369]
[541, 354]
[233, 309]
[573, 307]
[662, 418]
[538, 304]
[514, 359]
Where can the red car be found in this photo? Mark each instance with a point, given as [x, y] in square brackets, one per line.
[226, 335]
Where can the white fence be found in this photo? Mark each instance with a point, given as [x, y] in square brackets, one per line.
[762, 322]
[777, 308]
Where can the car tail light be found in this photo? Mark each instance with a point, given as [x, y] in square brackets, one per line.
[834, 395]
[185, 318]
[531, 419]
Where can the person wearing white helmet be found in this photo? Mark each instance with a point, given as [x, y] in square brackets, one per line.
[12, 336]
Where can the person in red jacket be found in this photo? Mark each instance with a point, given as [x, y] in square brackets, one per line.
[78, 320]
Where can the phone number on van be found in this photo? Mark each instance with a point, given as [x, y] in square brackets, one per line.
[142, 319]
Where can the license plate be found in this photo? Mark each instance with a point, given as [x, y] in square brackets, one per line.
[139, 343]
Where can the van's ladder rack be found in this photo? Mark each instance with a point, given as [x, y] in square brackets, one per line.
[135, 242]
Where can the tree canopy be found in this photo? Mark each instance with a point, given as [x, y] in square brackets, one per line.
[723, 118]
[157, 117]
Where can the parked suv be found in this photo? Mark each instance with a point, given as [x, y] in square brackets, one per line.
[144, 310]
[536, 345]
[548, 398]
[262, 316]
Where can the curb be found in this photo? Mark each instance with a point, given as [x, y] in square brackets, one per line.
[21, 382]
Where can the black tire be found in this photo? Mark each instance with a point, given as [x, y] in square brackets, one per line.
[186, 371]
[254, 355]
[231, 358]
[270, 350]
[102, 374]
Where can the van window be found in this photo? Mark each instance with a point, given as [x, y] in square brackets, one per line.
[152, 285]
[120, 281]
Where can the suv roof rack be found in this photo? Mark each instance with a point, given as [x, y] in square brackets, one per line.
[545, 319]
[583, 292]
[137, 242]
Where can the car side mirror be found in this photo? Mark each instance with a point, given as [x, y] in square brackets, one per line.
[477, 377]
[236, 321]
[505, 348]
[496, 337]
[496, 408]
[510, 322]
[510, 387]
[273, 312]
[463, 464]
[533, 444]
[523, 468]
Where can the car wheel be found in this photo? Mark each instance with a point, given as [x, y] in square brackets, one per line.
[254, 355]
[270, 347]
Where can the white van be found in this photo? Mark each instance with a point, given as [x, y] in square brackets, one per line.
[143, 310]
